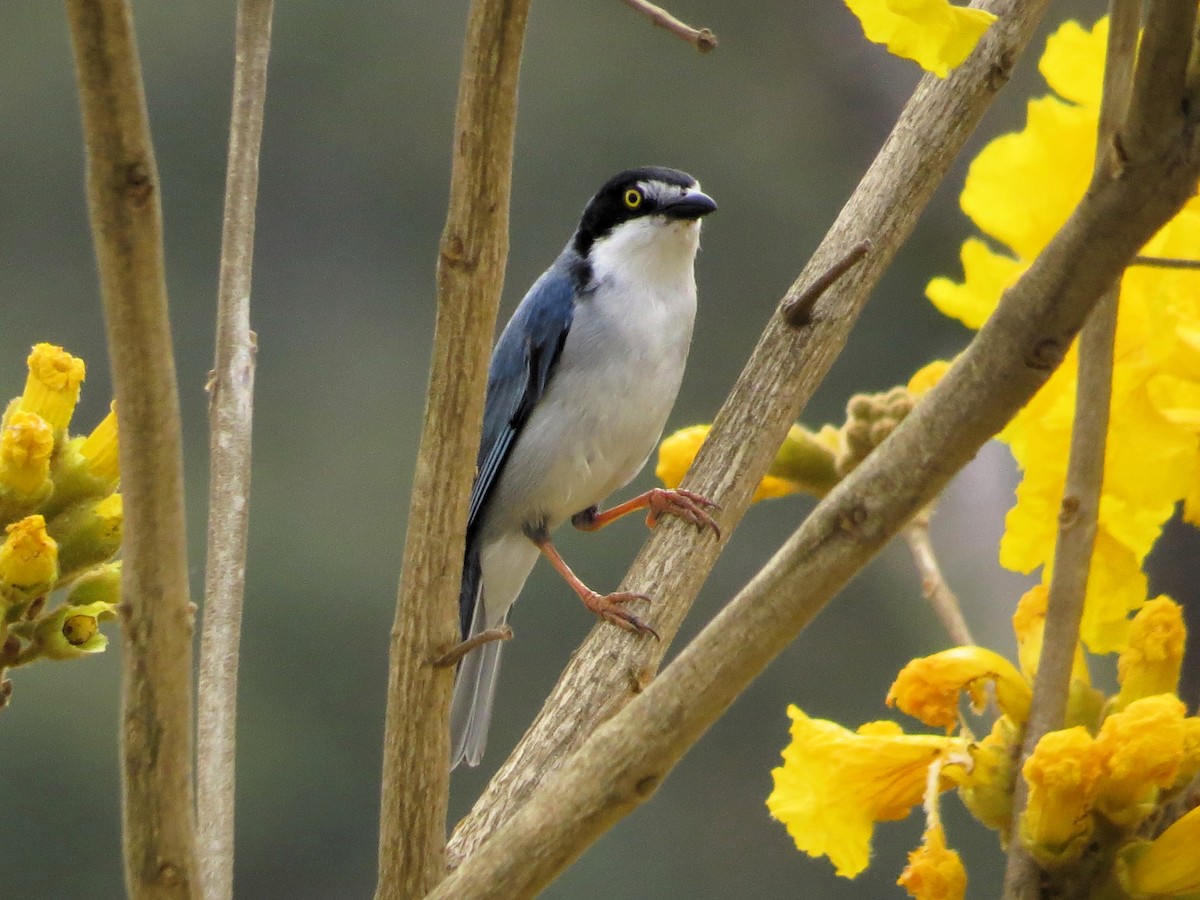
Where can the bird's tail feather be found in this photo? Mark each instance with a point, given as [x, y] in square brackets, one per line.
[475, 683]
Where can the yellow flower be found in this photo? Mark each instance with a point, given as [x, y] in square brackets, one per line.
[986, 790]
[933, 33]
[52, 388]
[1029, 622]
[28, 556]
[88, 533]
[1019, 190]
[926, 377]
[934, 872]
[25, 447]
[1151, 663]
[1170, 866]
[834, 784]
[805, 462]
[72, 631]
[1062, 773]
[1140, 750]
[100, 449]
[928, 688]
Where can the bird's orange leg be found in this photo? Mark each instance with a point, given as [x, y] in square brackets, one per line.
[606, 606]
[686, 505]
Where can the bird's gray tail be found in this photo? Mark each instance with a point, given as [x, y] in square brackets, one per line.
[475, 683]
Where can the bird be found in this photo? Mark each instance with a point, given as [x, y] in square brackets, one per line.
[580, 385]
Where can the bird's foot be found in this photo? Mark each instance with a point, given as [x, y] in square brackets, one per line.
[686, 505]
[610, 607]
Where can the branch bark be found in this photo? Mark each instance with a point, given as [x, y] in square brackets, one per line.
[231, 405]
[941, 598]
[1011, 357]
[700, 38]
[1080, 509]
[610, 668]
[126, 221]
[474, 247]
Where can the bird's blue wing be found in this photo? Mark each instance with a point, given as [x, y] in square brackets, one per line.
[521, 366]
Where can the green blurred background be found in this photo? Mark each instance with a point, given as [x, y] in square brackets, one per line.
[779, 124]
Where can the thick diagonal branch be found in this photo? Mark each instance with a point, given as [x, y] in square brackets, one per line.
[627, 757]
[231, 404]
[781, 375]
[416, 752]
[156, 688]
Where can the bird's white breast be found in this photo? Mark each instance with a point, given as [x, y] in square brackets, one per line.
[616, 380]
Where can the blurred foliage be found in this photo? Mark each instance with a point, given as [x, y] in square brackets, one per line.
[778, 123]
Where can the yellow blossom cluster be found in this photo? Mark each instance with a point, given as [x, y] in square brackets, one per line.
[61, 518]
[1018, 191]
[1101, 788]
[1111, 772]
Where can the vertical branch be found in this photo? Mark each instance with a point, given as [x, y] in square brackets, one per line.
[231, 405]
[1079, 513]
[474, 247]
[126, 221]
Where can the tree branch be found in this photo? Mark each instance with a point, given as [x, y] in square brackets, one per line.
[231, 405]
[1080, 510]
[784, 370]
[126, 221]
[943, 601]
[474, 247]
[700, 38]
[627, 757]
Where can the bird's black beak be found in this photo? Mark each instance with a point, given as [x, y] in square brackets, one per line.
[691, 205]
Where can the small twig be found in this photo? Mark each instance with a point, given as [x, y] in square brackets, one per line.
[1079, 514]
[1165, 262]
[933, 583]
[462, 648]
[797, 311]
[231, 404]
[700, 38]
[124, 205]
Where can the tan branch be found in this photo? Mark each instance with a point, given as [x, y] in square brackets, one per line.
[231, 405]
[474, 246]
[780, 376]
[933, 584]
[622, 763]
[1080, 508]
[700, 38]
[126, 220]
[1161, 262]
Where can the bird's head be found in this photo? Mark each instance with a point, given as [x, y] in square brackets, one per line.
[651, 212]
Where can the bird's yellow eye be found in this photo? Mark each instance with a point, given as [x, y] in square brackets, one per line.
[633, 198]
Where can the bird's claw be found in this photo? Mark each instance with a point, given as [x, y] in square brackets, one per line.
[610, 608]
[686, 505]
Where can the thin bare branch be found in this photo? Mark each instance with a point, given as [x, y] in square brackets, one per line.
[700, 38]
[933, 584]
[126, 220]
[1080, 509]
[231, 405]
[474, 247]
[798, 310]
[1162, 262]
[780, 376]
[622, 763]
